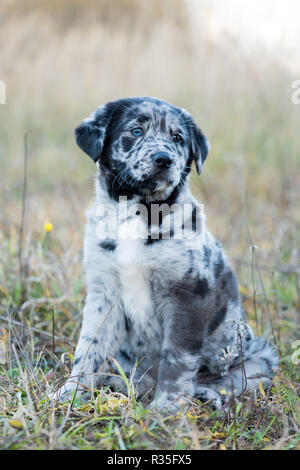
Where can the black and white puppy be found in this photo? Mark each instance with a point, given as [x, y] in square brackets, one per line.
[164, 304]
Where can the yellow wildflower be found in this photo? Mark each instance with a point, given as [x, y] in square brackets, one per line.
[48, 226]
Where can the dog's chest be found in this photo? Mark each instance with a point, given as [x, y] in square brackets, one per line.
[143, 271]
[134, 276]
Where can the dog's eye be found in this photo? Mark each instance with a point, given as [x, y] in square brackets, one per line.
[177, 138]
[137, 131]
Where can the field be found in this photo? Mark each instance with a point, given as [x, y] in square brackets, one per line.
[59, 63]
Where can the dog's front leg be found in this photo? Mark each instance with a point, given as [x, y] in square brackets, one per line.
[183, 331]
[184, 328]
[176, 379]
[102, 333]
[177, 382]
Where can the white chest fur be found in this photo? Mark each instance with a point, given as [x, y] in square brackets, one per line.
[134, 275]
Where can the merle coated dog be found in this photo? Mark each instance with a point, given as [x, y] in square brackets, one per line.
[166, 308]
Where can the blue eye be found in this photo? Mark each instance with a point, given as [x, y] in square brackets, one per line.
[177, 138]
[137, 131]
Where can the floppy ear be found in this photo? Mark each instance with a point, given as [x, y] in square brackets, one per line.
[90, 134]
[200, 147]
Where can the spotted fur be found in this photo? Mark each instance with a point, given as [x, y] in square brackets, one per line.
[165, 310]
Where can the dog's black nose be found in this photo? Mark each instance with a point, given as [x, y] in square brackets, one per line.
[162, 159]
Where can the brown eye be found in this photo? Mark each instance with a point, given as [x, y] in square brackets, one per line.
[177, 138]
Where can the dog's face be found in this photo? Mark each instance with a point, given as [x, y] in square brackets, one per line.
[144, 146]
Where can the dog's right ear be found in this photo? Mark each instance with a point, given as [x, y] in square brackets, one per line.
[90, 134]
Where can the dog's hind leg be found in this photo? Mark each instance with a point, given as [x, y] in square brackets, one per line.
[256, 364]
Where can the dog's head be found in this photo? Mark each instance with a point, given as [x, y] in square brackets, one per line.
[144, 146]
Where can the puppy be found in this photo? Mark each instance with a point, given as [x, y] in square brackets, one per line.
[162, 301]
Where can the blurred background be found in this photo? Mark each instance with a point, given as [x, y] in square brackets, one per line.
[229, 63]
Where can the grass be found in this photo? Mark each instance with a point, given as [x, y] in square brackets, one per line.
[116, 421]
[250, 187]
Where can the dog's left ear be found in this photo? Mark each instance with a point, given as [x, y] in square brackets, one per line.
[90, 134]
[199, 146]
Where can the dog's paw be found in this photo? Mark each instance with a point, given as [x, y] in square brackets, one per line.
[165, 404]
[67, 393]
